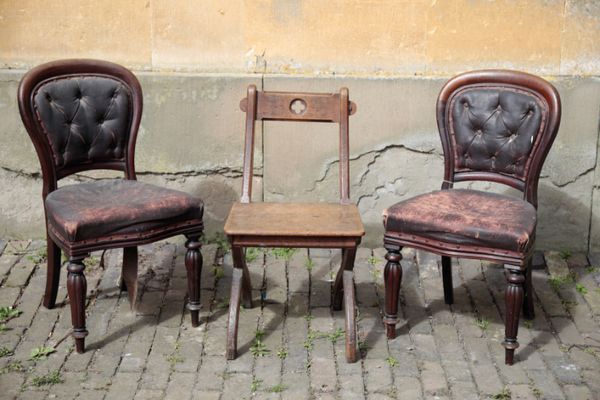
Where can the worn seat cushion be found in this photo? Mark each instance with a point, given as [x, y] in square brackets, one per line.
[466, 217]
[116, 207]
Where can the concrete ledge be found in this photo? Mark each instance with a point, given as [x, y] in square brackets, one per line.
[192, 136]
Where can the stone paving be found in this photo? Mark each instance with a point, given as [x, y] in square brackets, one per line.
[291, 343]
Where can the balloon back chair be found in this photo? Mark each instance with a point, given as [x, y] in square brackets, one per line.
[496, 126]
[83, 115]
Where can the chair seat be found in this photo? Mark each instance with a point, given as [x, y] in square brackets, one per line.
[465, 217]
[294, 219]
[105, 208]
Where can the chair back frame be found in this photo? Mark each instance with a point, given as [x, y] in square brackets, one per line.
[297, 106]
[76, 68]
[534, 86]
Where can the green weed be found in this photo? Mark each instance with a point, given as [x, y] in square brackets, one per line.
[285, 253]
[8, 313]
[277, 388]
[41, 353]
[581, 289]
[255, 385]
[309, 264]
[5, 351]
[392, 362]
[504, 394]
[51, 378]
[482, 323]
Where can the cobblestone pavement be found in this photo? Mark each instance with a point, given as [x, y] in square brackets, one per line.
[291, 344]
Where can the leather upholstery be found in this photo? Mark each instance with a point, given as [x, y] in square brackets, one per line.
[115, 207]
[85, 118]
[466, 217]
[494, 129]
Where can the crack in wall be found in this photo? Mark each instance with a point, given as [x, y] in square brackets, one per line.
[377, 154]
[226, 172]
[574, 179]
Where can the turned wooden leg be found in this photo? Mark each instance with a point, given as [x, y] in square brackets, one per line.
[77, 288]
[350, 308]
[193, 266]
[129, 274]
[52, 274]
[347, 264]
[447, 279]
[514, 302]
[392, 276]
[234, 312]
[528, 309]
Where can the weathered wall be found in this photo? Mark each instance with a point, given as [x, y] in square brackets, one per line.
[414, 37]
[195, 59]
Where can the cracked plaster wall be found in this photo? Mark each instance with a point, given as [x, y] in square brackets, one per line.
[191, 139]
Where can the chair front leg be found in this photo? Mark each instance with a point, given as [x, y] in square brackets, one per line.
[514, 302]
[528, 308]
[237, 289]
[52, 274]
[77, 289]
[392, 276]
[193, 266]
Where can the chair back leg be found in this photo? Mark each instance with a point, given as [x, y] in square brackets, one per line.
[52, 274]
[528, 309]
[447, 279]
[129, 274]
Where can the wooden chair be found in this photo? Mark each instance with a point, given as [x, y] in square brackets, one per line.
[322, 225]
[83, 115]
[495, 126]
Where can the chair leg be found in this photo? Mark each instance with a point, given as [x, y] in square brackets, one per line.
[343, 289]
[193, 266]
[528, 309]
[447, 279]
[392, 276]
[52, 274]
[240, 287]
[77, 288]
[347, 264]
[350, 308]
[129, 274]
[514, 302]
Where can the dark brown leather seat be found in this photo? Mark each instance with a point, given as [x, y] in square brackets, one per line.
[466, 217]
[118, 209]
[495, 126]
[84, 115]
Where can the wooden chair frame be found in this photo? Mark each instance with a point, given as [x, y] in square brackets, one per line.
[280, 106]
[51, 174]
[519, 291]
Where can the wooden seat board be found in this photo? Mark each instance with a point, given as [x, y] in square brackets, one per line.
[293, 219]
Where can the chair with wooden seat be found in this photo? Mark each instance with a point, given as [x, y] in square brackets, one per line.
[304, 225]
[83, 115]
[495, 126]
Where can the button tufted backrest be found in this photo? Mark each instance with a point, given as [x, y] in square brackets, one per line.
[81, 115]
[85, 119]
[494, 128]
[498, 126]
